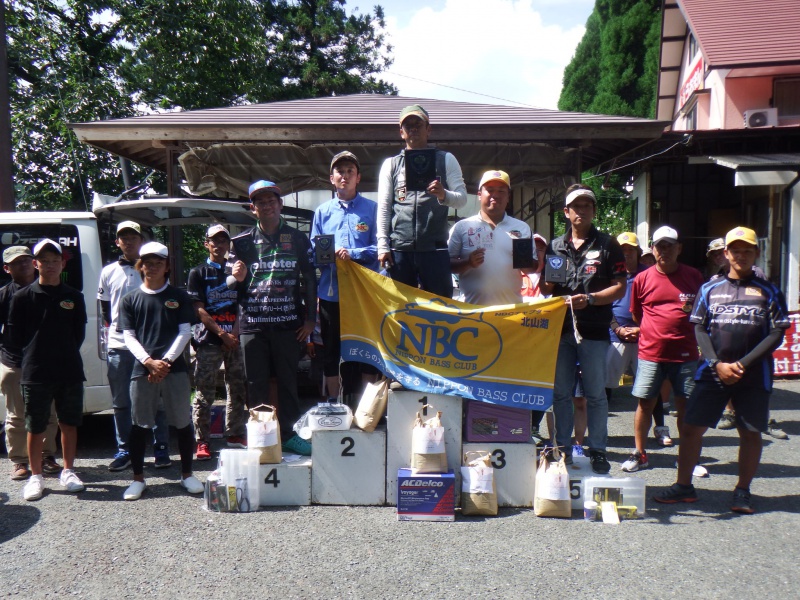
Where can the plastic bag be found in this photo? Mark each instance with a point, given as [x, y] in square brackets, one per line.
[330, 416]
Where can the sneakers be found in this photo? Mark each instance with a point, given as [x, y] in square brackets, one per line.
[71, 482]
[775, 431]
[636, 461]
[50, 466]
[34, 488]
[662, 436]
[600, 464]
[297, 445]
[192, 484]
[728, 420]
[20, 471]
[698, 471]
[577, 450]
[122, 461]
[537, 436]
[742, 503]
[161, 454]
[237, 441]
[203, 452]
[134, 491]
[676, 493]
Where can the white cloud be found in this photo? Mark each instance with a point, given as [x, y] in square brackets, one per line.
[500, 48]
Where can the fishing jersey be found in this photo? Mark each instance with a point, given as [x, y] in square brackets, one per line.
[738, 314]
[270, 297]
[207, 284]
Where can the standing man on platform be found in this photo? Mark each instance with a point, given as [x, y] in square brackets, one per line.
[217, 339]
[276, 314]
[116, 280]
[481, 246]
[353, 221]
[588, 268]
[412, 224]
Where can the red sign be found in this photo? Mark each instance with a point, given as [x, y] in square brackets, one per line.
[693, 82]
[787, 356]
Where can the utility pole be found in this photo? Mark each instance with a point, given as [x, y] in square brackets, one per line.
[7, 203]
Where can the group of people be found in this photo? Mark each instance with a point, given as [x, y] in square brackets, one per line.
[256, 300]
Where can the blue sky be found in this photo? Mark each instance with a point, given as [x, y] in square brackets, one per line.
[492, 51]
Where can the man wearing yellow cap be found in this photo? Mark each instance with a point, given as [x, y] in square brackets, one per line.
[740, 319]
[412, 224]
[481, 246]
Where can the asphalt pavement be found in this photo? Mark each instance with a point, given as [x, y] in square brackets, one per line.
[95, 545]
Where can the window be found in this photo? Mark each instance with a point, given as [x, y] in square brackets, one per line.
[693, 48]
[786, 97]
[28, 234]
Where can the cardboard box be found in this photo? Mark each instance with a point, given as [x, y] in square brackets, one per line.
[426, 497]
[484, 422]
[217, 425]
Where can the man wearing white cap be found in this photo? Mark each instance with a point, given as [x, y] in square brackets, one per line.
[587, 267]
[739, 320]
[662, 299]
[217, 342]
[116, 280]
[480, 246]
[412, 224]
[156, 322]
[47, 323]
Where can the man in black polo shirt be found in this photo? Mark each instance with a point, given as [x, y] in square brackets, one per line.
[588, 268]
[47, 323]
[277, 314]
[740, 319]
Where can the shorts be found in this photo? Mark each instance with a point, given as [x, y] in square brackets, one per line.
[706, 404]
[173, 394]
[39, 397]
[621, 358]
[650, 375]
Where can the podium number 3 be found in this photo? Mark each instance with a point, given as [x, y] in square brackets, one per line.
[348, 444]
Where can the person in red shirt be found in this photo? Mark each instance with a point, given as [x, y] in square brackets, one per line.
[662, 299]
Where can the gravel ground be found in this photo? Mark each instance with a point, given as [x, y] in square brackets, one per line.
[94, 545]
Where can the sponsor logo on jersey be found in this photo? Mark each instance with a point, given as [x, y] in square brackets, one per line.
[67, 304]
[172, 304]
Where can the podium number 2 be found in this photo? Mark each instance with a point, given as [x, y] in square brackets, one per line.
[498, 459]
[348, 444]
[272, 477]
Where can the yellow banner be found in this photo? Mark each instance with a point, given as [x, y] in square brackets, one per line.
[500, 354]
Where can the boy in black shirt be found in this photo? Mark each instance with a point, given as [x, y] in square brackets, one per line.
[156, 323]
[47, 323]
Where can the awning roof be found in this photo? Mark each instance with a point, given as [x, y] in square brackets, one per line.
[758, 162]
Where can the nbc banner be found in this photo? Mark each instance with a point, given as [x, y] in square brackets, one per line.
[500, 354]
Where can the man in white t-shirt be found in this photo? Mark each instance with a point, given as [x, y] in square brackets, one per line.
[481, 247]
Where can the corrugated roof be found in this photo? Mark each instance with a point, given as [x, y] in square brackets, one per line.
[739, 33]
[756, 161]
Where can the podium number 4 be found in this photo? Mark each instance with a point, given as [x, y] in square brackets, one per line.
[272, 478]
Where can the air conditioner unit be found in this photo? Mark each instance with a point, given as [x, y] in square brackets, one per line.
[761, 117]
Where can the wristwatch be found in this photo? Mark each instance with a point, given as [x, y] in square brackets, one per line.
[713, 363]
[590, 299]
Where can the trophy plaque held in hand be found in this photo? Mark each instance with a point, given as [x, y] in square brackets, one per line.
[420, 169]
[324, 250]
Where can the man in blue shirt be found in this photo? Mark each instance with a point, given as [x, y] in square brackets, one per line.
[352, 220]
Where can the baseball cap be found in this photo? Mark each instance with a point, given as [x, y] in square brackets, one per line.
[741, 234]
[414, 110]
[263, 185]
[665, 233]
[495, 176]
[46, 242]
[13, 252]
[133, 225]
[541, 238]
[346, 155]
[579, 193]
[154, 248]
[713, 245]
[628, 238]
[215, 229]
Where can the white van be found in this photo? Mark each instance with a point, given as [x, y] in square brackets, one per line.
[87, 240]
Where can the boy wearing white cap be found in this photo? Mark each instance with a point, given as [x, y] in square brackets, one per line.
[47, 322]
[156, 322]
[739, 320]
[116, 280]
[217, 342]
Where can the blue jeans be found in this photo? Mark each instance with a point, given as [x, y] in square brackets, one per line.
[591, 355]
[120, 368]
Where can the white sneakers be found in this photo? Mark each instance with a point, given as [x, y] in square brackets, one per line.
[134, 491]
[33, 488]
[662, 436]
[70, 481]
[192, 485]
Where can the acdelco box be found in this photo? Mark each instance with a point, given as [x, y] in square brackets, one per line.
[484, 422]
[426, 497]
